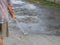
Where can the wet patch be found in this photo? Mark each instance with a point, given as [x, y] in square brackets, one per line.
[29, 19]
[36, 19]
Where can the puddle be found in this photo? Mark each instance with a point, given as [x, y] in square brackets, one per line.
[32, 19]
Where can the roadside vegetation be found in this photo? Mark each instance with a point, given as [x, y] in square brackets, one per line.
[46, 3]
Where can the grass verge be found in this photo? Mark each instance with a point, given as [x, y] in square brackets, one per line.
[47, 3]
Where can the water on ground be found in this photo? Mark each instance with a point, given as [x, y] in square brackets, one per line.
[35, 19]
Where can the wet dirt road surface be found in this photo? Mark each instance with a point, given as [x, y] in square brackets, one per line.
[33, 21]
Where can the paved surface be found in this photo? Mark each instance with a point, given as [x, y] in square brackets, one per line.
[33, 21]
[19, 39]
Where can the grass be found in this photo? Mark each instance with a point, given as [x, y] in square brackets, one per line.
[47, 3]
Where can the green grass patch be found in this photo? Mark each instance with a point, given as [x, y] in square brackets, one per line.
[46, 2]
